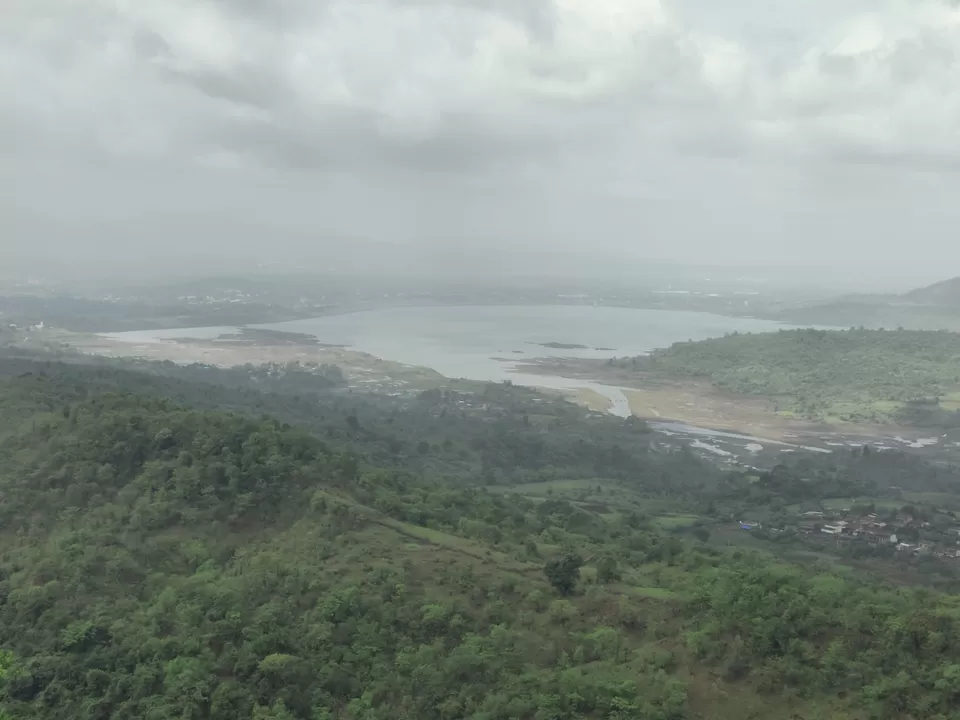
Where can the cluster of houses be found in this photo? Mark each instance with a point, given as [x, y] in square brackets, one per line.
[843, 525]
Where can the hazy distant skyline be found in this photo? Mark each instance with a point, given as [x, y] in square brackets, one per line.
[193, 132]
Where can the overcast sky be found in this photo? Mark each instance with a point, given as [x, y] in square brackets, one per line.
[175, 133]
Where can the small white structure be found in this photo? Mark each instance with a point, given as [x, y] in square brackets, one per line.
[835, 528]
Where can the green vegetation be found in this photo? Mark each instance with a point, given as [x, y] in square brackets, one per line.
[853, 375]
[564, 572]
[669, 522]
[161, 562]
[175, 543]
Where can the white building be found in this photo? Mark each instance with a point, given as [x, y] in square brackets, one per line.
[835, 528]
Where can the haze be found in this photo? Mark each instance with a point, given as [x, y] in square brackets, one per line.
[157, 139]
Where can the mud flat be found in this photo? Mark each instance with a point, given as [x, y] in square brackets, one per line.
[590, 399]
[231, 349]
[716, 423]
[737, 427]
[692, 402]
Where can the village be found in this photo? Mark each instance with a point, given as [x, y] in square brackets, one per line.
[910, 530]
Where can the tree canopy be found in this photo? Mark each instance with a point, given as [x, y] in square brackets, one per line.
[852, 374]
[162, 557]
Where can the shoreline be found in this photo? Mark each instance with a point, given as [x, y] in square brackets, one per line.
[695, 405]
[278, 314]
[694, 410]
[364, 371]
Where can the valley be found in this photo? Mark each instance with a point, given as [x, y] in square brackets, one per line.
[281, 545]
[731, 425]
[479, 360]
[386, 489]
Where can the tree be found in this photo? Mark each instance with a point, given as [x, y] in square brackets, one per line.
[563, 572]
[277, 712]
[701, 533]
[608, 569]
[531, 547]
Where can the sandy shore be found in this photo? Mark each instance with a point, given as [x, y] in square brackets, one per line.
[692, 403]
[361, 369]
[590, 399]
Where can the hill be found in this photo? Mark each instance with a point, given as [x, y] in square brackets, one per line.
[944, 294]
[839, 375]
[198, 564]
[164, 559]
[934, 307]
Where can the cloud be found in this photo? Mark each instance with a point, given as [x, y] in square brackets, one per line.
[462, 84]
[343, 81]
[886, 89]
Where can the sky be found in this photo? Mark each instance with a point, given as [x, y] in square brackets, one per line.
[147, 137]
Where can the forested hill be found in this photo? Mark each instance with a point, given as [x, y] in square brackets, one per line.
[162, 562]
[838, 374]
[494, 434]
[159, 562]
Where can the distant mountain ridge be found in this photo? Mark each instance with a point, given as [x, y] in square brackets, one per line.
[945, 293]
[933, 307]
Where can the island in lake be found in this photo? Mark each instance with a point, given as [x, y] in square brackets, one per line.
[562, 346]
[570, 346]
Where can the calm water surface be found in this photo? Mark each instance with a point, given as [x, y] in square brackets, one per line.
[479, 342]
[484, 342]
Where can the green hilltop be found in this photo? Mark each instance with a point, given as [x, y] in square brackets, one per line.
[852, 375]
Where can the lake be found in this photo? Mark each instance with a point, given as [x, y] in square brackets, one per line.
[479, 342]
[485, 342]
